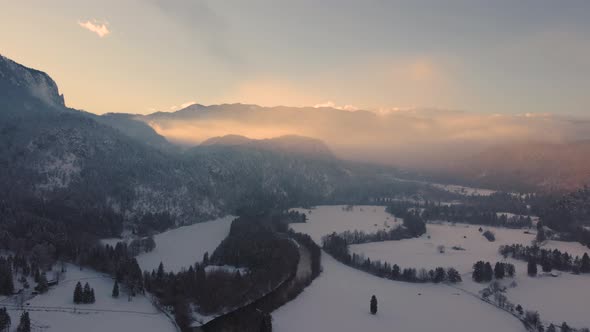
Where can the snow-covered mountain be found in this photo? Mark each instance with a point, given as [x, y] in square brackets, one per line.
[69, 163]
[18, 80]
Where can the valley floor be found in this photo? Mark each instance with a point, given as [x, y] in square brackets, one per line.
[339, 299]
[56, 311]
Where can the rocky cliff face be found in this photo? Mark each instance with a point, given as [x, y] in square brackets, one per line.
[18, 79]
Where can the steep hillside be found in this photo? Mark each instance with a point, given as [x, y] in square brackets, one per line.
[67, 165]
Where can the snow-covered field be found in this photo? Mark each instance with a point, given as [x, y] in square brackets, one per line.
[456, 189]
[184, 246]
[56, 311]
[325, 220]
[339, 301]
[565, 298]
[466, 191]
[424, 252]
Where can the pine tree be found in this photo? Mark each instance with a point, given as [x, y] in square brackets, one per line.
[551, 328]
[453, 275]
[91, 298]
[86, 294]
[6, 282]
[78, 294]
[565, 327]
[439, 275]
[499, 271]
[116, 289]
[266, 323]
[585, 264]
[25, 323]
[373, 305]
[42, 284]
[4, 320]
[510, 270]
[488, 272]
[478, 268]
[532, 267]
[160, 273]
[546, 265]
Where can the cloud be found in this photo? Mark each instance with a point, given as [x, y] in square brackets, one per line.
[101, 28]
[331, 104]
[202, 24]
[404, 137]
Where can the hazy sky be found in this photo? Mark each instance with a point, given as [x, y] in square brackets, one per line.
[139, 56]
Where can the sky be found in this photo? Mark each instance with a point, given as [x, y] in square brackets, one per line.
[142, 56]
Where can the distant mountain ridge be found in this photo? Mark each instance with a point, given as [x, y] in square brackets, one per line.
[504, 164]
[97, 171]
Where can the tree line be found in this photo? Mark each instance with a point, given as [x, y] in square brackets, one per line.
[475, 210]
[83, 294]
[483, 271]
[253, 243]
[337, 247]
[548, 259]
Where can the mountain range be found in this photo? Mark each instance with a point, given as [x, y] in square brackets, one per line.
[57, 159]
[60, 162]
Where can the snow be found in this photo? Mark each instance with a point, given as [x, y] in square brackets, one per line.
[56, 311]
[184, 246]
[456, 189]
[338, 300]
[423, 252]
[511, 216]
[557, 299]
[325, 220]
[466, 191]
[331, 302]
[225, 268]
[573, 248]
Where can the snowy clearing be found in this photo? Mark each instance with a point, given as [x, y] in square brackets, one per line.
[565, 298]
[56, 311]
[424, 252]
[339, 301]
[324, 220]
[465, 191]
[184, 246]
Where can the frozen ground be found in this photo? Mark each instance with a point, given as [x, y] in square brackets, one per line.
[336, 300]
[466, 191]
[424, 252]
[339, 301]
[184, 246]
[56, 311]
[565, 298]
[324, 220]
